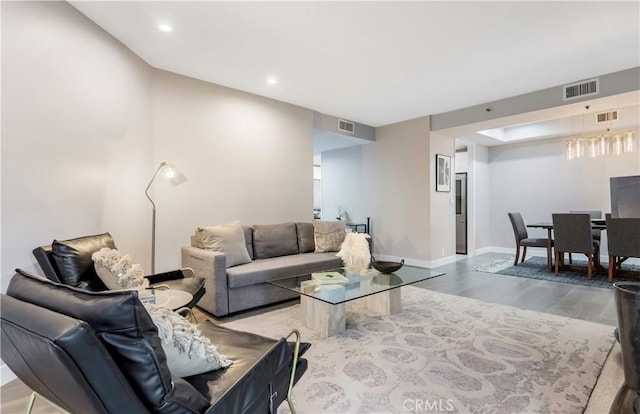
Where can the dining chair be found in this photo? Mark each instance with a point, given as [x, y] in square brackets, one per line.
[623, 241]
[593, 214]
[523, 239]
[572, 234]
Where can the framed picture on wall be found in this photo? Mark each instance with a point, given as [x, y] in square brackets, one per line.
[443, 173]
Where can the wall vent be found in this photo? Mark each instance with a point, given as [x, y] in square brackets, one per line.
[346, 126]
[581, 89]
[607, 116]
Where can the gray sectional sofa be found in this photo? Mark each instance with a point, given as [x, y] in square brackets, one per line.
[276, 251]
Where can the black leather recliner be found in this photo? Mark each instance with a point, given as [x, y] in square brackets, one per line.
[99, 352]
[69, 262]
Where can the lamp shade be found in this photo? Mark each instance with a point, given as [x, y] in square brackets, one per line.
[174, 176]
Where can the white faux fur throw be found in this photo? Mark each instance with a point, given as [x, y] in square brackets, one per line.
[354, 251]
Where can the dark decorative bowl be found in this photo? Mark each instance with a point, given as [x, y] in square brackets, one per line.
[386, 267]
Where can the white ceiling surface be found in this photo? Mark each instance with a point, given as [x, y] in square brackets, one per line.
[378, 63]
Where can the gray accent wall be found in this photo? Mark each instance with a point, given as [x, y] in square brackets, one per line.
[610, 84]
[329, 123]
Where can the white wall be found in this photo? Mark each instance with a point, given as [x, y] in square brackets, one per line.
[481, 186]
[342, 184]
[245, 157]
[397, 189]
[76, 131]
[75, 134]
[442, 204]
[535, 179]
[461, 161]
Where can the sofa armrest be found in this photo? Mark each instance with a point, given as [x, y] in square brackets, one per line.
[212, 267]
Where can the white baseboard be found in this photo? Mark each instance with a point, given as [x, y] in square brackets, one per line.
[483, 250]
[6, 375]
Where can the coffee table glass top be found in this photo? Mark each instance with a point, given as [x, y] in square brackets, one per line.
[358, 286]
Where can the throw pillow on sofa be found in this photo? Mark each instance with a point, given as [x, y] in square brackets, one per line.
[306, 244]
[227, 239]
[328, 235]
[273, 240]
[188, 351]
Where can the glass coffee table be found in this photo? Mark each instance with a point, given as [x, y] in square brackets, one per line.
[323, 305]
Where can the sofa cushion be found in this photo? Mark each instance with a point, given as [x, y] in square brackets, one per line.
[273, 240]
[73, 258]
[121, 323]
[259, 271]
[328, 235]
[305, 238]
[248, 239]
[227, 239]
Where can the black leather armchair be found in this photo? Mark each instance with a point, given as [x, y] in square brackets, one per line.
[69, 262]
[99, 352]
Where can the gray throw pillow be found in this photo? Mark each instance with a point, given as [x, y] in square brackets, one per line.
[328, 235]
[227, 239]
[272, 240]
[305, 238]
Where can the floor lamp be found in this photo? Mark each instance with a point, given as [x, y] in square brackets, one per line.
[175, 178]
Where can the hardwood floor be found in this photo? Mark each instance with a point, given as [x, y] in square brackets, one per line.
[573, 301]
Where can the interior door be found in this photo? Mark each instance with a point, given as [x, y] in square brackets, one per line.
[461, 213]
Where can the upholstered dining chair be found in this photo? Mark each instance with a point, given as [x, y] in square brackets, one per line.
[623, 241]
[522, 238]
[596, 233]
[572, 234]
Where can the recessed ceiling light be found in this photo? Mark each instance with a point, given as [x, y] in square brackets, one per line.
[165, 27]
[272, 81]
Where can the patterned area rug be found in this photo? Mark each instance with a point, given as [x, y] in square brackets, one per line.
[536, 268]
[445, 353]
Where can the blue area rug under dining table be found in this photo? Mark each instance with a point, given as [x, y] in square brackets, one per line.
[536, 268]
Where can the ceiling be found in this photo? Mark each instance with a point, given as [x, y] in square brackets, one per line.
[378, 63]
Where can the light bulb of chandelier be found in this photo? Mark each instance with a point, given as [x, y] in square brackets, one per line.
[616, 144]
[603, 144]
[593, 147]
[580, 147]
[628, 142]
[569, 149]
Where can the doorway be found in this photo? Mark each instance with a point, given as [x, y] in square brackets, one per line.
[461, 213]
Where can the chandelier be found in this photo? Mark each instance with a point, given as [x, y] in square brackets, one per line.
[604, 144]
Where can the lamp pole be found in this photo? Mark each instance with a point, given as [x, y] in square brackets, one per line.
[153, 219]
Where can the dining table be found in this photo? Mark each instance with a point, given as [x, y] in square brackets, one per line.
[596, 224]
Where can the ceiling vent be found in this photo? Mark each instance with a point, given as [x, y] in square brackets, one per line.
[581, 89]
[607, 116]
[346, 126]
